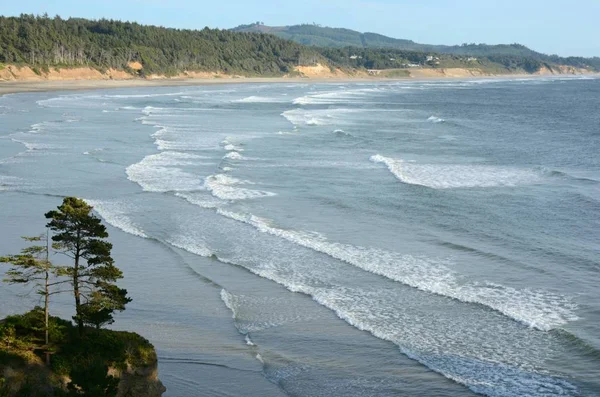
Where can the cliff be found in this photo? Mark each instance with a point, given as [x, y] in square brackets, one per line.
[102, 362]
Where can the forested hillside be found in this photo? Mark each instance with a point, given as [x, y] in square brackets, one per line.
[320, 36]
[44, 43]
[48, 42]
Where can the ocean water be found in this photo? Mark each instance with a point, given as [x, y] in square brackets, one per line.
[374, 239]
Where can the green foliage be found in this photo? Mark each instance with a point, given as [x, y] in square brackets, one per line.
[85, 360]
[80, 235]
[92, 380]
[28, 329]
[42, 42]
[520, 56]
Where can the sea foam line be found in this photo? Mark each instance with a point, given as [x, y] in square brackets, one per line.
[537, 309]
[116, 215]
[487, 374]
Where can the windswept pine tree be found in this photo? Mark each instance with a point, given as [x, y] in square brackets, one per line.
[81, 236]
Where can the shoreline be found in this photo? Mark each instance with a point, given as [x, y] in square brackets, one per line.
[16, 86]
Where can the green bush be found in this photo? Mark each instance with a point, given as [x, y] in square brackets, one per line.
[83, 359]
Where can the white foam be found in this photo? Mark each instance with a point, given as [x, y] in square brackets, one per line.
[115, 213]
[159, 172]
[191, 245]
[233, 156]
[225, 187]
[259, 99]
[492, 371]
[201, 199]
[435, 120]
[301, 117]
[234, 148]
[335, 97]
[537, 309]
[447, 176]
[315, 117]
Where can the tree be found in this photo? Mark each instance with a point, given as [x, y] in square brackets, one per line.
[81, 236]
[33, 266]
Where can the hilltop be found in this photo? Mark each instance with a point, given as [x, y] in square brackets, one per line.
[322, 36]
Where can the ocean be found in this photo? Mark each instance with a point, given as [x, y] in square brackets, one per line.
[434, 238]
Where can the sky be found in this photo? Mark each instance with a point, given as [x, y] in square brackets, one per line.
[550, 26]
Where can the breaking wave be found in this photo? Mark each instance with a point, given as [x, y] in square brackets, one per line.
[226, 188]
[447, 176]
[115, 213]
[538, 309]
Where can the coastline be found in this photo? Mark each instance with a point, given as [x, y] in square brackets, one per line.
[21, 86]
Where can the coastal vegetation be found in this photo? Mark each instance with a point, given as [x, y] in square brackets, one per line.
[46, 44]
[510, 55]
[43, 355]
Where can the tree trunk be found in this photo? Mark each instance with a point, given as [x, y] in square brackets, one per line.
[47, 296]
[77, 296]
[76, 285]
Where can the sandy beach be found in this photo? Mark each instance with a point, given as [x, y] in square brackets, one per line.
[16, 86]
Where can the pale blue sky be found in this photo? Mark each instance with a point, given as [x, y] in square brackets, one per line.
[550, 26]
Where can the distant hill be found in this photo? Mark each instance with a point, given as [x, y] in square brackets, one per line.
[321, 36]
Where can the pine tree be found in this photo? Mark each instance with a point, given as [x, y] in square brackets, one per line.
[33, 266]
[81, 236]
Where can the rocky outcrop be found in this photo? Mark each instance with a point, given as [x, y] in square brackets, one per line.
[140, 381]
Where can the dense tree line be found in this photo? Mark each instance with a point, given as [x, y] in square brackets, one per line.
[44, 43]
[47, 42]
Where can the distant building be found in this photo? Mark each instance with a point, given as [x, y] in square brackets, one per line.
[471, 59]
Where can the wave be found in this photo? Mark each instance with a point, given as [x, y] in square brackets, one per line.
[225, 187]
[447, 176]
[443, 344]
[114, 213]
[278, 312]
[335, 97]
[233, 156]
[537, 309]
[300, 117]
[159, 172]
[259, 99]
[36, 146]
[201, 199]
[314, 117]
[186, 243]
[435, 120]
[485, 376]
[9, 183]
[342, 133]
